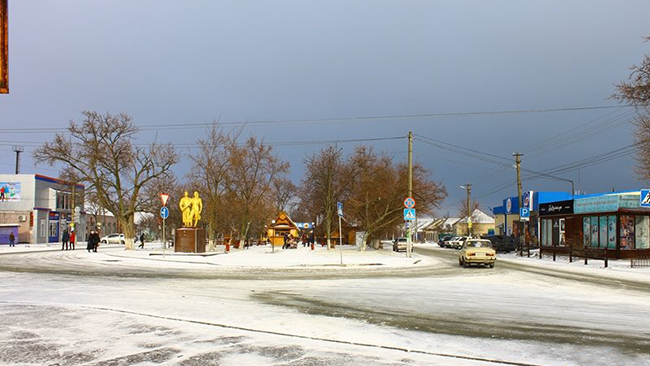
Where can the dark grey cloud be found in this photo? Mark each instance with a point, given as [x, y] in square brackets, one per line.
[195, 61]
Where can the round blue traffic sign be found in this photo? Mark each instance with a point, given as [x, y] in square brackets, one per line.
[164, 212]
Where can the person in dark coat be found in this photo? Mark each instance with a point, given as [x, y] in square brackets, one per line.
[12, 239]
[141, 241]
[65, 238]
[89, 244]
[96, 240]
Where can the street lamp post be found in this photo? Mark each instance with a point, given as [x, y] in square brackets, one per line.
[273, 236]
[468, 188]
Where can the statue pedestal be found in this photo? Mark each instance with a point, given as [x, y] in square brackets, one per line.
[189, 240]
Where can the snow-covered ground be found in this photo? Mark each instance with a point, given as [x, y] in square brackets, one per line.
[443, 315]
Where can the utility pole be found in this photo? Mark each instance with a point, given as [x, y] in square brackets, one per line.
[18, 150]
[518, 166]
[468, 188]
[410, 194]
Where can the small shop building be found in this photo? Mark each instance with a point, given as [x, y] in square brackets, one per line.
[613, 222]
[281, 226]
[38, 208]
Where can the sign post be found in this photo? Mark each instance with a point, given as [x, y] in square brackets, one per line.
[164, 214]
[409, 215]
[339, 209]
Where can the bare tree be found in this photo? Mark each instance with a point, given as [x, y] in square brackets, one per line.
[253, 169]
[209, 175]
[327, 181]
[101, 150]
[378, 192]
[462, 208]
[284, 191]
[637, 93]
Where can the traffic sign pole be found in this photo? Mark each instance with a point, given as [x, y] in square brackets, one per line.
[164, 213]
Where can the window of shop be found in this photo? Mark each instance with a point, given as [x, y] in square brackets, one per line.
[627, 232]
[642, 237]
[599, 231]
[544, 233]
[562, 230]
[594, 232]
[611, 232]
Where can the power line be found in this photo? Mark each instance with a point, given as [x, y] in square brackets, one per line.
[332, 119]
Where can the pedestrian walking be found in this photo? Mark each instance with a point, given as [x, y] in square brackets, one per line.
[285, 240]
[12, 239]
[93, 241]
[72, 240]
[65, 239]
[141, 241]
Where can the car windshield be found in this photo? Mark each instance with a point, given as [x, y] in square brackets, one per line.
[479, 244]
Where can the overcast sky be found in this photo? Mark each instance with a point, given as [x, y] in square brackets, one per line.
[171, 62]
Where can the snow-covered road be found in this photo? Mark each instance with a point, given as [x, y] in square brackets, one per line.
[442, 314]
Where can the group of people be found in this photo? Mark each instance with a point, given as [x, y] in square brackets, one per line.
[291, 243]
[68, 240]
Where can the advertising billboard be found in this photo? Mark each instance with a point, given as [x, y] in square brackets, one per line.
[9, 191]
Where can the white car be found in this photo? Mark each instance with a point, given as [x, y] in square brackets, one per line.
[399, 244]
[113, 239]
[458, 242]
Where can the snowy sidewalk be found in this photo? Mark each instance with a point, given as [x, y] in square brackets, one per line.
[266, 257]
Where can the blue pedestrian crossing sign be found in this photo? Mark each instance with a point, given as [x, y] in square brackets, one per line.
[645, 198]
[409, 214]
[164, 212]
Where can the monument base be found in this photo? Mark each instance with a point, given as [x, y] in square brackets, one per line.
[189, 240]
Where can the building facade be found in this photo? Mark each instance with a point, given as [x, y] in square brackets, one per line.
[37, 208]
[615, 222]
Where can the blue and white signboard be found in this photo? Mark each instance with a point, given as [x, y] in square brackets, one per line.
[645, 198]
[527, 200]
[164, 212]
[524, 214]
[339, 208]
[409, 214]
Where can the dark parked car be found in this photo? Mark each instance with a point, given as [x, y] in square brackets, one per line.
[502, 243]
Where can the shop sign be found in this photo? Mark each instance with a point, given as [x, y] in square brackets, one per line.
[608, 203]
[556, 208]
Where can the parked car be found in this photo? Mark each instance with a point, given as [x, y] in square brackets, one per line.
[477, 251]
[443, 239]
[399, 245]
[113, 239]
[501, 243]
[447, 243]
[458, 242]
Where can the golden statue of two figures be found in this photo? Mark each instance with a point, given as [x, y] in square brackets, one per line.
[191, 208]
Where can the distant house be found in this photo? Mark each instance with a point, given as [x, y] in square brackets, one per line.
[482, 224]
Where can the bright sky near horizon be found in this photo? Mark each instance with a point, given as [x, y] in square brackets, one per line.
[311, 68]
